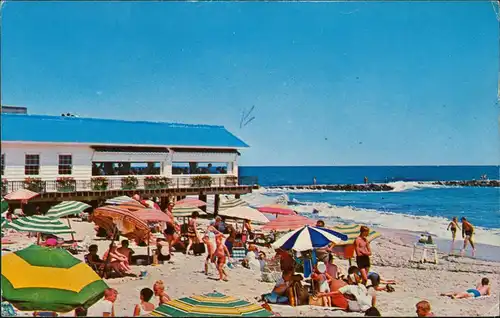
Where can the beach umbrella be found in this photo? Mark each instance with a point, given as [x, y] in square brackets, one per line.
[110, 217]
[186, 210]
[152, 215]
[39, 224]
[124, 199]
[308, 238]
[21, 195]
[67, 208]
[191, 202]
[231, 203]
[276, 209]
[210, 305]
[287, 223]
[49, 279]
[4, 206]
[352, 232]
[150, 204]
[3, 221]
[245, 213]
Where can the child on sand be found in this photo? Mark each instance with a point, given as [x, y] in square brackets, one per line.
[453, 228]
[144, 307]
[220, 252]
[324, 280]
[159, 290]
[210, 252]
[482, 289]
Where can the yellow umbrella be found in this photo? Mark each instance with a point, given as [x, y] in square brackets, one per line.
[352, 232]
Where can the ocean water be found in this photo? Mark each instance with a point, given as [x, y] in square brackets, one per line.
[412, 206]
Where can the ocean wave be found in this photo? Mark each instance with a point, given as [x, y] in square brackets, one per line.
[383, 219]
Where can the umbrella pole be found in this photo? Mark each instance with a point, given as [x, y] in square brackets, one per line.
[106, 261]
[38, 235]
[72, 235]
[149, 239]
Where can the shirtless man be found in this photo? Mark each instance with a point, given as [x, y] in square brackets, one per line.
[126, 251]
[482, 289]
[118, 260]
[467, 233]
[363, 252]
[220, 252]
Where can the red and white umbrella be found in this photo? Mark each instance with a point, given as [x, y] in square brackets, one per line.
[21, 195]
[191, 202]
[276, 209]
[287, 223]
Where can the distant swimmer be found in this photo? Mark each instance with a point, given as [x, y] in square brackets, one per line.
[314, 180]
[453, 228]
[467, 233]
[365, 180]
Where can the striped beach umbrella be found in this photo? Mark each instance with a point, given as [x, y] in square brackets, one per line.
[186, 210]
[3, 221]
[191, 202]
[66, 208]
[287, 223]
[210, 305]
[4, 206]
[49, 279]
[352, 232]
[276, 209]
[124, 199]
[244, 213]
[39, 223]
[231, 203]
[308, 238]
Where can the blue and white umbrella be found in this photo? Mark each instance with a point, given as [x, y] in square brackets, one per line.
[308, 238]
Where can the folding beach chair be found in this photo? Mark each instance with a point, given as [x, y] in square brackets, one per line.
[239, 253]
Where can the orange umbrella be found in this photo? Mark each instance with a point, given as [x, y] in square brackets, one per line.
[152, 215]
[21, 195]
[288, 223]
[127, 223]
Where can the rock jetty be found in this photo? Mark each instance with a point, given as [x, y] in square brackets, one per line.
[470, 183]
[339, 187]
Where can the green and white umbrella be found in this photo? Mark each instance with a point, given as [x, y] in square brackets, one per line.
[39, 223]
[120, 200]
[67, 208]
[231, 203]
[3, 221]
[4, 206]
[186, 210]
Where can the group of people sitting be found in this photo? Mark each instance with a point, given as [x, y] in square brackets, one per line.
[117, 259]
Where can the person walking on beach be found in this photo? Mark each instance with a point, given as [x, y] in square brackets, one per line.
[363, 252]
[467, 233]
[220, 252]
[192, 231]
[210, 252]
[453, 228]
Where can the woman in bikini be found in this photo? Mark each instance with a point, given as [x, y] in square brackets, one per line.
[192, 231]
[220, 252]
[453, 228]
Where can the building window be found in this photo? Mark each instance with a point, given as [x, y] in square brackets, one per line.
[3, 164]
[65, 164]
[32, 165]
[199, 167]
[125, 168]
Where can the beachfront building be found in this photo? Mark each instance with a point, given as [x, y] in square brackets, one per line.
[88, 157]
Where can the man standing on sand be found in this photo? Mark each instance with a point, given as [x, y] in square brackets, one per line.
[106, 306]
[467, 232]
[424, 309]
[363, 252]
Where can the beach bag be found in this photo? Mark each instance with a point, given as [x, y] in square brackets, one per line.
[315, 301]
[300, 293]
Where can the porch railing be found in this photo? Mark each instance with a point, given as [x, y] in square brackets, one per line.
[116, 183]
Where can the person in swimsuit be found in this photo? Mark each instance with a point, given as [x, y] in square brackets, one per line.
[192, 231]
[324, 280]
[453, 228]
[467, 233]
[210, 253]
[220, 252]
[363, 252]
[144, 307]
[482, 289]
[424, 309]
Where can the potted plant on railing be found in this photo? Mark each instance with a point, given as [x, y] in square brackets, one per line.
[231, 180]
[156, 182]
[66, 184]
[4, 186]
[201, 181]
[34, 184]
[99, 183]
[129, 183]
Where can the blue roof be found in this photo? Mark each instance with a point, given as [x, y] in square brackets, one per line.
[42, 128]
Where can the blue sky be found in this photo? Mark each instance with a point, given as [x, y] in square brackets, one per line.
[360, 83]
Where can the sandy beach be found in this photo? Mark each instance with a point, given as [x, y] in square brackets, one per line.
[184, 277]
